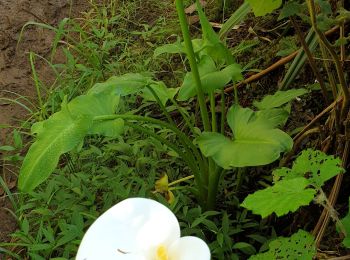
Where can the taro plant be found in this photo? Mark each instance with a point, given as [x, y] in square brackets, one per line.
[204, 144]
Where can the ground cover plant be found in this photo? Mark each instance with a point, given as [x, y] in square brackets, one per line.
[114, 128]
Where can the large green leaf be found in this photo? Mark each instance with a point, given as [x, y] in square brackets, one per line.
[300, 245]
[261, 8]
[59, 135]
[255, 141]
[316, 166]
[275, 117]
[100, 104]
[283, 197]
[64, 130]
[124, 85]
[279, 98]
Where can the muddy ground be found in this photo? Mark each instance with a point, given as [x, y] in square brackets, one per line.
[15, 71]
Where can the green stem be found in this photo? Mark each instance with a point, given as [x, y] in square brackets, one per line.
[223, 112]
[202, 161]
[240, 172]
[193, 63]
[181, 180]
[214, 178]
[37, 85]
[213, 113]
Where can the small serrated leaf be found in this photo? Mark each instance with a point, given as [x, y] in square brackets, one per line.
[318, 166]
[283, 197]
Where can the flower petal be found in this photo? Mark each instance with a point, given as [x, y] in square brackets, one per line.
[189, 248]
[132, 229]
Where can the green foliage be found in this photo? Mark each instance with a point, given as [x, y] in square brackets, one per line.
[256, 141]
[63, 131]
[294, 187]
[291, 8]
[261, 8]
[283, 197]
[279, 98]
[315, 166]
[59, 135]
[212, 79]
[161, 91]
[300, 245]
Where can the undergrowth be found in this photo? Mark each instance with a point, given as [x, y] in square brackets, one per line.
[118, 38]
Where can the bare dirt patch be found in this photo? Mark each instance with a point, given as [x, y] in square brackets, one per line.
[15, 71]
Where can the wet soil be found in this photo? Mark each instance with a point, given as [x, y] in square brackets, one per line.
[15, 70]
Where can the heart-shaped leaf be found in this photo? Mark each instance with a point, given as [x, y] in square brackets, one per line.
[255, 141]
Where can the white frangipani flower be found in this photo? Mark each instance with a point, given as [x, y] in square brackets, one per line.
[139, 229]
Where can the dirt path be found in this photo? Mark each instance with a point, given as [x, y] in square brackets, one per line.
[15, 72]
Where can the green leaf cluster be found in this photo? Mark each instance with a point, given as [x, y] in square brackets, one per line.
[64, 131]
[294, 187]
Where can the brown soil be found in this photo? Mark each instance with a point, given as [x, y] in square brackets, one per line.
[15, 72]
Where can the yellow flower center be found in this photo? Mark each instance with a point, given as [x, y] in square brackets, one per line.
[162, 253]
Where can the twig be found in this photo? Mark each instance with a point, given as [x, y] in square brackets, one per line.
[316, 118]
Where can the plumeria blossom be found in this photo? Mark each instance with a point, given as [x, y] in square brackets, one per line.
[139, 229]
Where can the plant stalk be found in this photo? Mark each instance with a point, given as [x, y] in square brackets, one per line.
[193, 63]
[329, 47]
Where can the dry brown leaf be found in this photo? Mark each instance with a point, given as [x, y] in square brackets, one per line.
[192, 7]
[192, 19]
